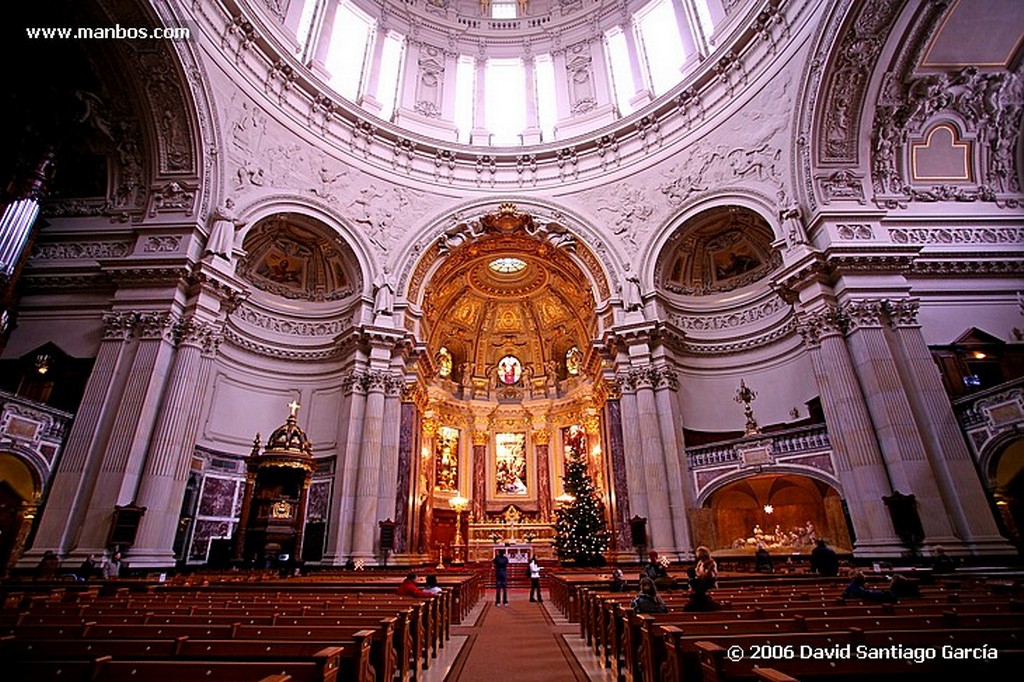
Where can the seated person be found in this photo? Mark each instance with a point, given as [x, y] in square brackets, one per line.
[824, 560]
[648, 600]
[904, 587]
[618, 582]
[432, 586]
[409, 588]
[943, 563]
[858, 589]
[657, 572]
[703, 578]
[762, 560]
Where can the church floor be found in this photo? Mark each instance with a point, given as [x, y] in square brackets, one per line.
[521, 642]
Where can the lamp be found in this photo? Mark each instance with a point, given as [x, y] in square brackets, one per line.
[458, 503]
[565, 499]
[43, 363]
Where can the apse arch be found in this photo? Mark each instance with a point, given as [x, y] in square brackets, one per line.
[782, 511]
[743, 226]
[266, 208]
[553, 224]
[705, 494]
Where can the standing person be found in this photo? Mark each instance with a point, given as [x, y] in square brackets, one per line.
[535, 579]
[112, 569]
[500, 578]
[824, 559]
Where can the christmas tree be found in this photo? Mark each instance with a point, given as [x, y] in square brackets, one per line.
[581, 533]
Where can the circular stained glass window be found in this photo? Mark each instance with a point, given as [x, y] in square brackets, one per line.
[510, 370]
[507, 265]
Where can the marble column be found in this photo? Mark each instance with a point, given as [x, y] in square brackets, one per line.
[633, 456]
[403, 489]
[688, 25]
[479, 474]
[137, 411]
[169, 460]
[895, 428]
[855, 451]
[562, 108]
[350, 433]
[665, 386]
[641, 95]
[531, 134]
[960, 485]
[480, 134]
[389, 448]
[369, 98]
[659, 514]
[541, 448]
[364, 529]
[619, 492]
[68, 497]
[321, 40]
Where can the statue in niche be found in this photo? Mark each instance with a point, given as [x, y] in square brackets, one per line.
[632, 297]
[224, 223]
[383, 293]
[791, 218]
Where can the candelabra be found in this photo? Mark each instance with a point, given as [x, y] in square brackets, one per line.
[459, 504]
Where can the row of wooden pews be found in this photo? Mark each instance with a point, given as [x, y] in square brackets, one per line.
[789, 627]
[318, 630]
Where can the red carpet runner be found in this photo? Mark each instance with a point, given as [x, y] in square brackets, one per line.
[516, 643]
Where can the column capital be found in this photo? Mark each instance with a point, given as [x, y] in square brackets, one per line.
[821, 323]
[863, 314]
[902, 312]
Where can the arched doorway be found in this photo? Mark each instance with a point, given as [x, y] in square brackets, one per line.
[508, 319]
[18, 496]
[785, 512]
[1008, 480]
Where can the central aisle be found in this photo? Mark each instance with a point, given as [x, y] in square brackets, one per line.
[521, 642]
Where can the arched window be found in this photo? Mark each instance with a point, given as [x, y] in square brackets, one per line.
[573, 361]
[444, 363]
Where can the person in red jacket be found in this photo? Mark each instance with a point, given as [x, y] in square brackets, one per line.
[409, 588]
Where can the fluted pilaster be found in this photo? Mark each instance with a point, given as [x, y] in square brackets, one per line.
[636, 479]
[895, 428]
[350, 434]
[368, 475]
[856, 455]
[960, 486]
[169, 460]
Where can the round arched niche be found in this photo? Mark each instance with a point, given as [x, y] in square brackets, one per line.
[785, 512]
[508, 293]
[298, 257]
[718, 250]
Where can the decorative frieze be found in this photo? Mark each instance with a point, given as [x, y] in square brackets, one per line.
[82, 250]
[733, 320]
[957, 235]
[852, 231]
[324, 328]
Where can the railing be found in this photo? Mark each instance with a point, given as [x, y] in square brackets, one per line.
[797, 441]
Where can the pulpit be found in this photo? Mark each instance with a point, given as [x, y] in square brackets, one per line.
[276, 494]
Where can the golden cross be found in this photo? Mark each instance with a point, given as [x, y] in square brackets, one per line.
[294, 407]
